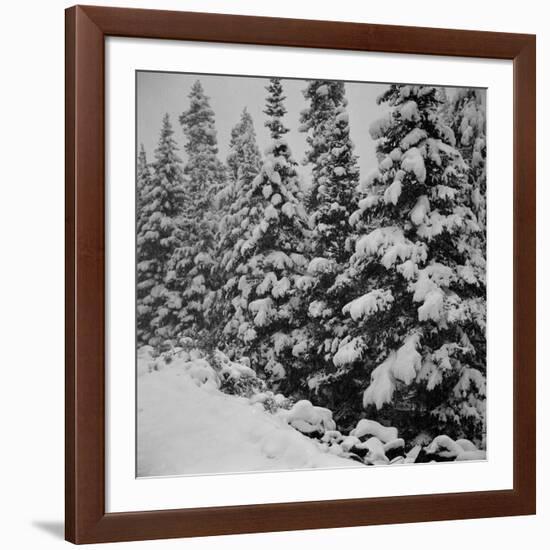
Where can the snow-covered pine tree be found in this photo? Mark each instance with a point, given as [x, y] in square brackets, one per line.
[467, 119]
[323, 98]
[240, 211]
[416, 327]
[143, 185]
[190, 270]
[158, 234]
[332, 199]
[243, 160]
[335, 172]
[203, 167]
[275, 110]
[268, 258]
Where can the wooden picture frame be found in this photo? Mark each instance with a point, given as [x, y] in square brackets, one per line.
[86, 30]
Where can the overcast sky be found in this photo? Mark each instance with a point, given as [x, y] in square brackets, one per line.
[160, 93]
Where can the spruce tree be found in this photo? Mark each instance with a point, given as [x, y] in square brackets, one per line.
[332, 199]
[203, 167]
[268, 259]
[240, 211]
[191, 268]
[275, 110]
[415, 330]
[158, 234]
[335, 173]
[244, 163]
[143, 185]
[244, 158]
[323, 97]
[467, 119]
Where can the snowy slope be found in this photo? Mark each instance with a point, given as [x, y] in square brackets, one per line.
[187, 426]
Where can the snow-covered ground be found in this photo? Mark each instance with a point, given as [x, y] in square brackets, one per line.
[186, 425]
[208, 416]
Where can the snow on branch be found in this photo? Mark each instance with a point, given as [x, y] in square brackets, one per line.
[401, 365]
[349, 351]
[368, 304]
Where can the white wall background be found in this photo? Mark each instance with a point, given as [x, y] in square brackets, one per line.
[31, 272]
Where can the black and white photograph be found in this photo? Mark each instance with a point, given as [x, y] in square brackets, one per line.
[310, 274]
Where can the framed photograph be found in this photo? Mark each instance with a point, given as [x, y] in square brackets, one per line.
[300, 274]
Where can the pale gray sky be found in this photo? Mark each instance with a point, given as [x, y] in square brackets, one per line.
[159, 93]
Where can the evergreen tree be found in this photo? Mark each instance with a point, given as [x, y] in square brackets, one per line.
[275, 110]
[244, 163]
[158, 233]
[244, 158]
[191, 267]
[203, 168]
[335, 173]
[416, 327]
[241, 210]
[332, 199]
[324, 97]
[143, 186]
[268, 259]
[467, 119]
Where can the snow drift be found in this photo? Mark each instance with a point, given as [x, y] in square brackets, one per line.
[186, 425]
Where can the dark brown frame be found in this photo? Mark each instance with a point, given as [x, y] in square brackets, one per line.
[86, 29]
